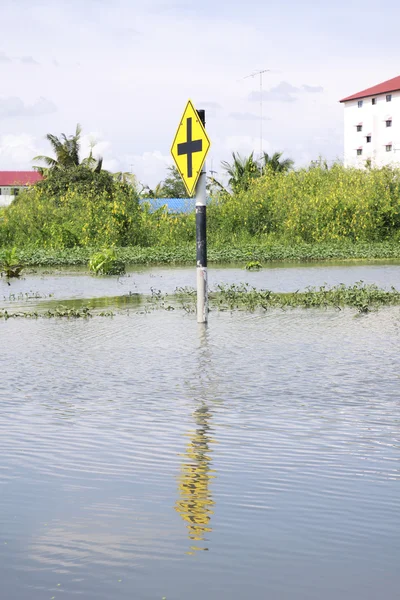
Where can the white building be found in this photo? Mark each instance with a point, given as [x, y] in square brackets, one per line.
[372, 126]
[12, 182]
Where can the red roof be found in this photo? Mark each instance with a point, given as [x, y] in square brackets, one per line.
[8, 178]
[391, 85]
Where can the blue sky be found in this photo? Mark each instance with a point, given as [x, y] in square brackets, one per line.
[125, 70]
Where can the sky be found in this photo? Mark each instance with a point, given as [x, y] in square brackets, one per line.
[125, 69]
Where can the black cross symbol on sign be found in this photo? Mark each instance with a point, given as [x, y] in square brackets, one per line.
[190, 147]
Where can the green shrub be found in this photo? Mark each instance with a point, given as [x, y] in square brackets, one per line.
[82, 208]
[92, 210]
[314, 205]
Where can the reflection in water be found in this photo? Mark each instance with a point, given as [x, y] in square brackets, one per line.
[195, 500]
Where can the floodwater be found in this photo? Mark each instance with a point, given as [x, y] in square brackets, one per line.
[78, 284]
[144, 456]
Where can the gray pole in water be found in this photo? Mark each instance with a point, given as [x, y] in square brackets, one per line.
[201, 240]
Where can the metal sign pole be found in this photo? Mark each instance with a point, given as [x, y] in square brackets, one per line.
[201, 240]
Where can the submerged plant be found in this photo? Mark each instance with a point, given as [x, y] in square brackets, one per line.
[106, 263]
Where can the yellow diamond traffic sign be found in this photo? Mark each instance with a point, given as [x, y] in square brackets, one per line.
[190, 147]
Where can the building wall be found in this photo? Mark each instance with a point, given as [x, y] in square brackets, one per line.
[373, 120]
[7, 194]
[6, 200]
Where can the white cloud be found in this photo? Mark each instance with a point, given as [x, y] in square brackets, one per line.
[28, 60]
[246, 116]
[134, 77]
[17, 151]
[245, 144]
[149, 167]
[15, 107]
[284, 92]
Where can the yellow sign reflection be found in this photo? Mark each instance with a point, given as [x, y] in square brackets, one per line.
[195, 503]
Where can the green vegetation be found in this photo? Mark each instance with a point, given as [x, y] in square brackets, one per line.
[66, 150]
[171, 187]
[73, 208]
[263, 253]
[106, 263]
[269, 211]
[253, 265]
[60, 312]
[311, 206]
[9, 265]
[244, 170]
[362, 297]
[78, 207]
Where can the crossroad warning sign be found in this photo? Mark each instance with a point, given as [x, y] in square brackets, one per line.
[190, 147]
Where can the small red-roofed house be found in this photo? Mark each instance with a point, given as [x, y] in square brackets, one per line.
[12, 182]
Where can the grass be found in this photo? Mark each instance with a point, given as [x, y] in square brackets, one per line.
[261, 252]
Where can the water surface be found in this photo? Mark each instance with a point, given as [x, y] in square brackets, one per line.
[69, 284]
[145, 457]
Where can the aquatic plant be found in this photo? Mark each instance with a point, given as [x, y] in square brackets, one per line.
[106, 262]
[239, 253]
[363, 297]
[10, 265]
[59, 312]
[253, 265]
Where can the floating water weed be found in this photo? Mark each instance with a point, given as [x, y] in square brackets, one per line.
[261, 249]
[60, 312]
[25, 296]
[362, 296]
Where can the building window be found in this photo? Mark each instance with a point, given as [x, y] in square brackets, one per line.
[15, 191]
[359, 151]
[388, 147]
[388, 97]
[368, 139]
[389, 123]
[360, 103]
[359, 127]
[373, 100]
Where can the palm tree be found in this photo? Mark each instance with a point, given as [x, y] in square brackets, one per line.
[241, 172]
[275, 164]
[66, 150]
[125, 177]
[156, 192]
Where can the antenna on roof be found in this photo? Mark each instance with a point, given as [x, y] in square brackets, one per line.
[211, 170]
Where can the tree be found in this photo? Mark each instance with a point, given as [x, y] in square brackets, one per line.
[275, 164]
[79, 178]
[241, 172]
[66, 150]
[171, 187]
